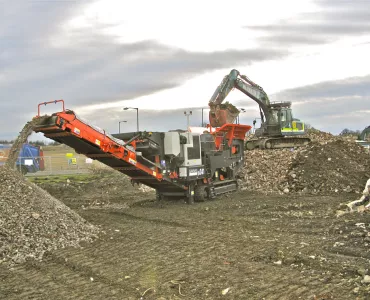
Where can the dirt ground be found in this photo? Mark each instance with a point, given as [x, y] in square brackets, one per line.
[240, 246]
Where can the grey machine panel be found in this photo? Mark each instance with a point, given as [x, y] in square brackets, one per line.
[172, 145]
[192, 150]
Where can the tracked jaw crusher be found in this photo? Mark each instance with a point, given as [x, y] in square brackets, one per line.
[175, 164]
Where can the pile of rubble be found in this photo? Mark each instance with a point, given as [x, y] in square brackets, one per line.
[32, 222]
[329, 164]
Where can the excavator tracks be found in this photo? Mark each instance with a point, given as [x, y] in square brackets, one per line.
[276, 143]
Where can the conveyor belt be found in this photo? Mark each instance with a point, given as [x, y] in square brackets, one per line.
[66, 128]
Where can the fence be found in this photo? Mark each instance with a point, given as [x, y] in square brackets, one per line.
[58, 165]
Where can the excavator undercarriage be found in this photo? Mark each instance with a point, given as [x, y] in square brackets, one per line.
[276, 143]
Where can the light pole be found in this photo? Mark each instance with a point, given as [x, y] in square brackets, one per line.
[187, 115]
[203, 116]
[119, 125]
[254, 123]
[137, 115]
[242, 110]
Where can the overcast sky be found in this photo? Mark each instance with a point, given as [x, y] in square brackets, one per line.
[166, 56]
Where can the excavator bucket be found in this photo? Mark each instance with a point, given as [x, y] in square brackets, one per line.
[219, 117]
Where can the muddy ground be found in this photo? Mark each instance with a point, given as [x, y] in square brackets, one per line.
[240, 246]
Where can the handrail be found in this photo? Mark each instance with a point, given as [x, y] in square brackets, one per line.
[45, 103]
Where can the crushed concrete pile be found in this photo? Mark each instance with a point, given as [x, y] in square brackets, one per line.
[338, 166]
[32, 222]
[265, 171]
[320, 136]
[328, 165]
[324, 137]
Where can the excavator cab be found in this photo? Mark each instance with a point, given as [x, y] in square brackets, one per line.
[288, 125]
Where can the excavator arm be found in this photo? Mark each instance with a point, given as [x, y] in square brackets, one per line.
[252, 90]
[242, 83]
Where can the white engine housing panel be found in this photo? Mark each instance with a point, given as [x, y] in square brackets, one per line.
[172, 143]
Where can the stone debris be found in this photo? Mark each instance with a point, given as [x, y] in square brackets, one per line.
[366, 279]
[328, 165]
[146, 189]
[32, 222]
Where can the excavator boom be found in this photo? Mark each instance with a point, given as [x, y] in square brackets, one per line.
[249, 88]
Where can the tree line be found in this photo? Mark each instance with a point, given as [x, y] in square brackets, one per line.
[347, 131]
[35, 143]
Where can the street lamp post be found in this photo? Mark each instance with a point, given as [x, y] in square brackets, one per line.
[254, 123]
[187, 115]
[203, 117]
[119, 125]
[242, 110]
[137, 115]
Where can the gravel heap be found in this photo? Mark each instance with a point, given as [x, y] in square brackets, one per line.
[33, 222]
[328, 165]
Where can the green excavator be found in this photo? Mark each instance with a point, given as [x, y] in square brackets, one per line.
[278, 127]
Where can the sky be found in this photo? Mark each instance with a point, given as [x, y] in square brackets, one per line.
[166, 57]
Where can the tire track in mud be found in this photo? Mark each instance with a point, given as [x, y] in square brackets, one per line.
[208, 248]
[146, 219]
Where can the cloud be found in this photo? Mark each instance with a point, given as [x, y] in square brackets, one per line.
[151, 120]
[42, 60]
[329, 106]
[92, 73]
[332, 20]
[355, 86]
[332, 105]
